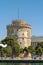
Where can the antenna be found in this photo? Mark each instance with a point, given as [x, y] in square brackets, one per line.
[18, 13]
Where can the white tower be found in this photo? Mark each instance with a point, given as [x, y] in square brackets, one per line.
[21, 31]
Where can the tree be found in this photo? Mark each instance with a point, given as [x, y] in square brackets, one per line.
[21, 50]
[25, 49]
[16, 49]
[40, 44]
[11, 41]
[6, 51]
[39, 50]
[2, 53]
[30, 49]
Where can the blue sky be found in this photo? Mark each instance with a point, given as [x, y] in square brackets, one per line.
[29, 10]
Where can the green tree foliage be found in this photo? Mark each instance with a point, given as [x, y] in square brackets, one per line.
[21, 50]
[39, 49]
[25, 49]
[33, 50]
[40, 44]
[11, 41]
[16, 48]
[6, 50]
[30, 49]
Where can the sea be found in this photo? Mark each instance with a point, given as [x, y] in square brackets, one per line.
[12, 63]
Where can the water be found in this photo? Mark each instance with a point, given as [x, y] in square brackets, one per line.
[5, 63]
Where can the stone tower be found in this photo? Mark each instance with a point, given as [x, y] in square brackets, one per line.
[21, 31]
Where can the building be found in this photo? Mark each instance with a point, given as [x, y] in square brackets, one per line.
[35, 40]
[21, 31]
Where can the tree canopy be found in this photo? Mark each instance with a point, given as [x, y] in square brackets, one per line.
[39, 48]
[11, 41]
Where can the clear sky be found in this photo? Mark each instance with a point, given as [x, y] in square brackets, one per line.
[29, 10]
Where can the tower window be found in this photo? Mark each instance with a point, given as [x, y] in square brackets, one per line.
[20, 43]
[23, 38]
[23, 34]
